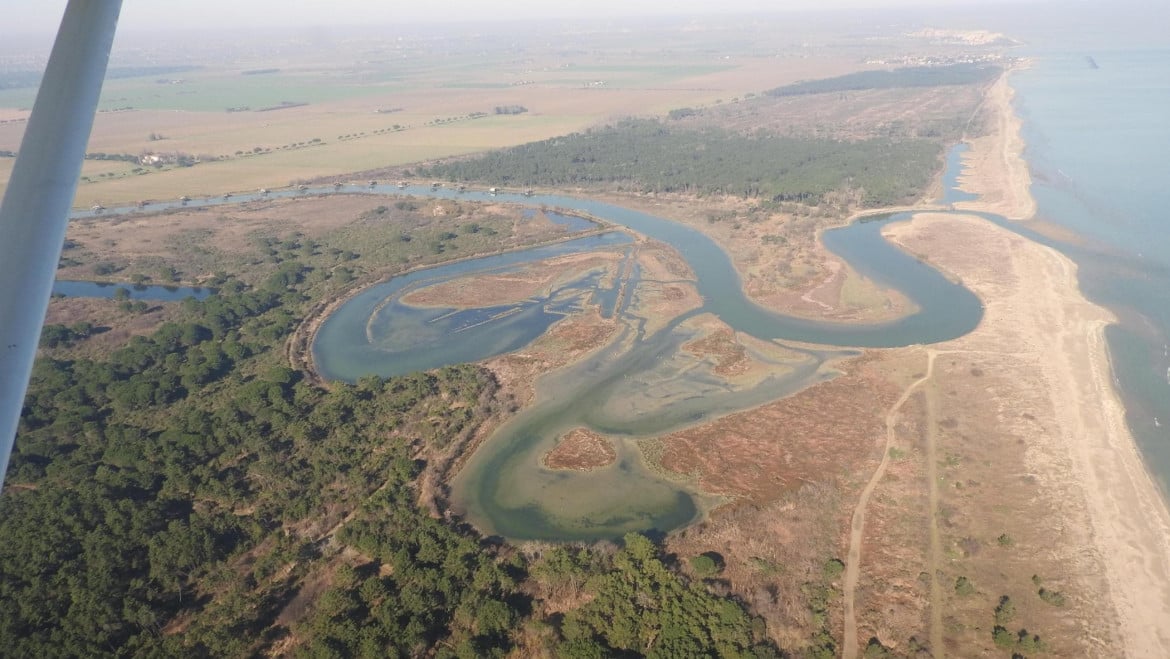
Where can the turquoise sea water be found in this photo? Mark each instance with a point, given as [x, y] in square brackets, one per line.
[1096, 144]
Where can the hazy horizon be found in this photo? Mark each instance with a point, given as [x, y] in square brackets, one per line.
[28, 28]
[42, 18]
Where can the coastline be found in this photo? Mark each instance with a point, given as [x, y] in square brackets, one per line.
[994, 166]
[1114, 528]
[1104, 524]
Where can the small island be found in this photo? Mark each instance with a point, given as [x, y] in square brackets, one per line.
[581, 450]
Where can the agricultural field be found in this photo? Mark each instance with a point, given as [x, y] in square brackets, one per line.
[245, 118]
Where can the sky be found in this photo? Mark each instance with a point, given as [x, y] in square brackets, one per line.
[42, 16]
[28, 25]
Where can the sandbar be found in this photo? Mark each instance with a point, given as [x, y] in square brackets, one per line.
[994, 165]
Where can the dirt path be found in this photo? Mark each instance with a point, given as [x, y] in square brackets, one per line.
[934, 557]
[857, 530]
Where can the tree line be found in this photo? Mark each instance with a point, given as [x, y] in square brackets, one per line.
[962, 73]
[645, 155]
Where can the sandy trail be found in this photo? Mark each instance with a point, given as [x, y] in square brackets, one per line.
[934, 550]
[857, 527]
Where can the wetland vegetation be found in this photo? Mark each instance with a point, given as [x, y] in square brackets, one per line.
[184, 484]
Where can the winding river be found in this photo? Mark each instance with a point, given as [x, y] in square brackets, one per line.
[639, 385]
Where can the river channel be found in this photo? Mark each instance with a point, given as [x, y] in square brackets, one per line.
[639, 385]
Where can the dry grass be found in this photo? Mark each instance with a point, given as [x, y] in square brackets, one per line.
[510, 287]
[774, 553]
[779, 255]
[820, 433]
[581, 449]
[1005, 467]
[893, 593]
[200, 241]
[114, 325]
[566, 342]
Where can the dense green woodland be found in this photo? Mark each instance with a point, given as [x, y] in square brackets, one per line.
[965, 73]
[645, 155]
[174, 498]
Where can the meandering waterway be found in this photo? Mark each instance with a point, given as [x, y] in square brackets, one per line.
[641, 384]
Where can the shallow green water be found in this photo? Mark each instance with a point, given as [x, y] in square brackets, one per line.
[373, 333]
[640, 385]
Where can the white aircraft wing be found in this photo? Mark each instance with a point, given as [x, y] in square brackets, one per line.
[40, 193]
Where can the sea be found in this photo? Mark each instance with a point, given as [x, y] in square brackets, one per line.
[1095, 107]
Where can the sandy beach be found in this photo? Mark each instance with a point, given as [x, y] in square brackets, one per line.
[1127, 514]
[1045, 381]
[1049, 384]
[995, 168]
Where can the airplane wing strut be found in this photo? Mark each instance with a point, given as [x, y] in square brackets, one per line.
[40, 193]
